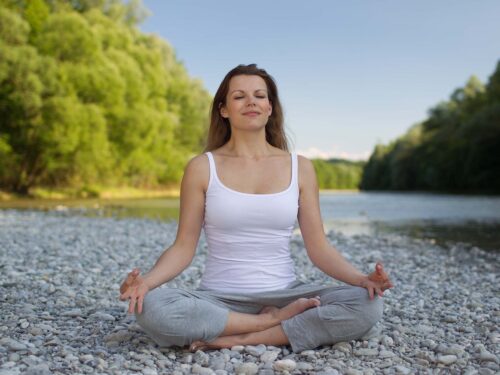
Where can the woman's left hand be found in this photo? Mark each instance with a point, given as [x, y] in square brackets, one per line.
[377, 281]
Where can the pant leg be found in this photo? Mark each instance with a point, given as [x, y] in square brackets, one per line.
[346, 313]
[172, 316]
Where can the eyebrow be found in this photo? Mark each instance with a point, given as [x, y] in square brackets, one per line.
[244, 91]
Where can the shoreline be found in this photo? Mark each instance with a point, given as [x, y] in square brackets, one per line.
[59, 288]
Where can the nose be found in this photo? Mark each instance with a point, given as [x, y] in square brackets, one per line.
[250, 101]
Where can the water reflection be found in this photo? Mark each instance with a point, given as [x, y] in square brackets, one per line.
[445, 218]
[485, 235]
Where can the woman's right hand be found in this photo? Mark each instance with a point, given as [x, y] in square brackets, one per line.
[134, 288]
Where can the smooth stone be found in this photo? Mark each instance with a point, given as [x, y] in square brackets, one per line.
[72, 313]
[387, 341]
[485, 371]
[102, 316]
[35, 331]
[149, 371]
[447, 359]
[13, 344]
[402, 370]
[247, 368]
[285, 365]
[353, 371]
[41, 369]
[329, 371]
[238, 348]
[201, 358]
[119, 336]
[304, 366]
[256, 351]
[197, 369]
[269, 356]
[486, 356]
[366, 352]
[343, 347]
[308, 353]
[386, 354]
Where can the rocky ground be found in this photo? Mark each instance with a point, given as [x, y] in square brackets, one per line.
[60, 313]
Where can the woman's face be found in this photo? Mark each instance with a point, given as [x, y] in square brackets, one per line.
[247, 102]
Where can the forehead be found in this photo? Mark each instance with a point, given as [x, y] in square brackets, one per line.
[247, 83]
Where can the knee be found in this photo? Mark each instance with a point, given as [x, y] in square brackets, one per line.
[367, 311]
[352, 312]
[163, 317]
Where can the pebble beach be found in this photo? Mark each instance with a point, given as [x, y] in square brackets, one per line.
[60, 312]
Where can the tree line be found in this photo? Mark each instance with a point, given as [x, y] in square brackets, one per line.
[456, 149]
[87, 98]
[338, 173]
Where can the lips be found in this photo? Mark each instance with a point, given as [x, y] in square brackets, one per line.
[251, 113]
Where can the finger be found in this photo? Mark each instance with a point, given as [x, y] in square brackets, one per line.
[370, 292]
[382, 275]
[379, 292]
[131, 306]
[129, 280]
[125, 296]
[387, 285]
[139, 304]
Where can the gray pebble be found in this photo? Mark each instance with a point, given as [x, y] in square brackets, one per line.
[447, 359]
[256, 351]
[247, 368]
[284, 365]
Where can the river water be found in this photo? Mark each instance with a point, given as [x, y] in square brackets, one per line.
[447, 219]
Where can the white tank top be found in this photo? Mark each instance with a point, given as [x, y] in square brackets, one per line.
[248, 236]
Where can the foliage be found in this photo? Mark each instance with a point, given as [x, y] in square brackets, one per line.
[87, 99]
[454, 149]
[338, 174]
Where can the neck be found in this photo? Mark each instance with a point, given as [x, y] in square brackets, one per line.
[248, 144]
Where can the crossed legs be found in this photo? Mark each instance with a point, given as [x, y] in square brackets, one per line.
[183, 318]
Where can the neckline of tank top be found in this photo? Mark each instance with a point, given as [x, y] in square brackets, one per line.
[253, 194]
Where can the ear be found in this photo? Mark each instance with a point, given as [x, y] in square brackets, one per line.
[223, 111]
[270, 108]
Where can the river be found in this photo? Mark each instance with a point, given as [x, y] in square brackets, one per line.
[447, 219]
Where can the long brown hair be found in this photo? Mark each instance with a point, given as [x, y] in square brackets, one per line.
[220, 130]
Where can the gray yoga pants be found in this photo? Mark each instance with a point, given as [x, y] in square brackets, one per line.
[178, 317]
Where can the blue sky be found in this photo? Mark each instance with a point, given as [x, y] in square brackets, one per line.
[350, 73]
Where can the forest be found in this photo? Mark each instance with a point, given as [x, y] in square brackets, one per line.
[87, 99]
[456, 149]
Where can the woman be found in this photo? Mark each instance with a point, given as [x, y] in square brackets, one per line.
[246, 191]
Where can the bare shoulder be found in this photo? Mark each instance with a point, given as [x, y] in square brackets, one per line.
[307, 173]
[306, 167]
[197, 171]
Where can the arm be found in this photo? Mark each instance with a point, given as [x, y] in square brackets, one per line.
[323, 255]
[179, 255]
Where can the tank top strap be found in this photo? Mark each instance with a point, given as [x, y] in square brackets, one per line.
[211, 163]
[295, 169]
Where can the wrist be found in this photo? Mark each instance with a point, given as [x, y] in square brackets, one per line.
[361, 280]
[147, 280]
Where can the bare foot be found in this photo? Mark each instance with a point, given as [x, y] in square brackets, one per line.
[219, 343]
[292, 309]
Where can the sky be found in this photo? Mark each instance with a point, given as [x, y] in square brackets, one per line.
[350, 74]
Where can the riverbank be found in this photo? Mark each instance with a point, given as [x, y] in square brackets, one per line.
[61, 314]
[89, 192]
